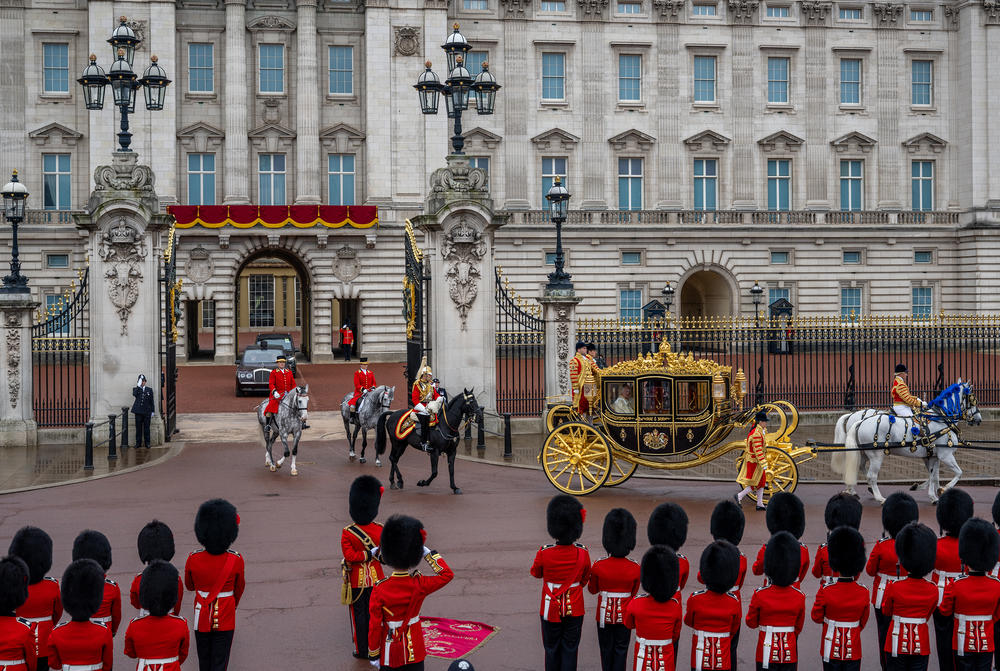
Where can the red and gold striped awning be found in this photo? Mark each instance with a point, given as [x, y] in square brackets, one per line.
[274, 216]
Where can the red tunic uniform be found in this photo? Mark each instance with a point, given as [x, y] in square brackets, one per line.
[821, 567]
[843, 609]
[281, 381]
[159, 643]
[657, 627]
[780, 613]
[133, 595]
[17, 644]
[346, 336]
[565, 569]
[201, 574]
[431, 395]
[81, 644]
[947, 565]
[364, 380]
[975, 602]
[395, 636]
[715, 619]
[758, 565]
[110, 612]
[364, 569]
[883, 565]
[909, 602]
[42, 610]
[614, 580]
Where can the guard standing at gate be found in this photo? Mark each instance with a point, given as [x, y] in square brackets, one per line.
[346, 341]
[143, 410]
[903, 402]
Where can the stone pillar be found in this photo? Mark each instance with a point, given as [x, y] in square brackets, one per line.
[322, 327]
[559, 313]
[518, 164]
[669, 195]
[378, 99]
[307, 164]
[236, 180]
[226, 320]
[595, 143]
[744, 172]
[888, 151]
[814, 15]
[161, 127]
[13, 127]
[17, 416]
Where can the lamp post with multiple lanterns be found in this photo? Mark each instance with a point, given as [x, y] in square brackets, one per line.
[558, 197]
[757, 293]
[15, 196]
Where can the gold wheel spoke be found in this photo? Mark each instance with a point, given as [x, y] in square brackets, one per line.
[563, 470]
[556, 461]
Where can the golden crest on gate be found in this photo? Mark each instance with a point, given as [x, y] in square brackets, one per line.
[656, 440]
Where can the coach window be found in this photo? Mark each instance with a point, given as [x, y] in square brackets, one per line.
[619, 397]
[656, 397]
[692, 397]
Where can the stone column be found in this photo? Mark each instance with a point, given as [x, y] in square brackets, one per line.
[17, 416]
[669, 195]
[321, 327]
[889, 152]
[13, 127]
[559, 313]
[236, 180]
[307, 89]
[518, 163]
[378, 99]
[226, 320]
[744, 172]
[161, 127]
[817, 143]
[594, 155]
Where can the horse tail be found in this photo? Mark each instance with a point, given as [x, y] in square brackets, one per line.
[380, 430]
[851, 456]
[840, 428]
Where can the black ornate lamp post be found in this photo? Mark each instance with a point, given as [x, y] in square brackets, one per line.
[15, 196]
[668, 296]
[457, 87]
[756, 293]
[124, 81]
[558, 198]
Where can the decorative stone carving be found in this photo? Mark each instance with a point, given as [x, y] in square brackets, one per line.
[407, 40]
[463, 248]
[13, 337]
[743, 11]
[991, 12]
[815, 13]
[514, 9]
[887, 14]
[951, 14]
[199, 267]
[122, 250]
[669, 9]
[270, 23]
[458, 176]
[853, 142]
[124, 174]
[346, 267]
[138, 27]
[707, 139]
[562, 348]
[592, 7]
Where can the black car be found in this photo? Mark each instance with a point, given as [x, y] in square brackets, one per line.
[284, 341]
[254, 368]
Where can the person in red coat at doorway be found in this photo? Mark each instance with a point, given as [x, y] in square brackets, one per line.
[842, 606]
[17, 642]
[364, 382]
[280, 382]
[159, 640]
[346, 341]
[909, 602]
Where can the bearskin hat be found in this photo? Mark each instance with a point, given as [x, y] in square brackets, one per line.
[996, 510]
[156, 541]
[954, 509]
[978, 545]
[216, 525]
[461, 665]
[564, 519]
[618, 535]
[785, 512]
[842, 509]
[82, 589]
[916, 547]
[94, 545]
[34, 547]
[668, 525]
[13, 584]
[660, 572]
[402, 542]
[728, 522]
[898, 510]
[782, 559]
[366, 494]
[158, 587]
[720, 566]
[846, 548]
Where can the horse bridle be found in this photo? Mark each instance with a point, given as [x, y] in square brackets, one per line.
[298, 395]
[466, 396]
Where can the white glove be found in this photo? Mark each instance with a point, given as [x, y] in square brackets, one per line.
[427, 550]
[277, 395]
[374, 551]
[374, 662]
[923, 404]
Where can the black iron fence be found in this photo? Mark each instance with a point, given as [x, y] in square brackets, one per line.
[824, 363]
[117, 437]
[520, 353]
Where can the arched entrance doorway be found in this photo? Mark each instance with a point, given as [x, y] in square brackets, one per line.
[273, 296]
[706, 293]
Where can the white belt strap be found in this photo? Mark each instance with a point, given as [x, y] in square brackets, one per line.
[82, 667]
[603, 598]
[204, 595]
[4, 663]
[151, 664]
[943, 578]
[644, 644]
[897, 623]
[963, 621]
[218, 596]
[103, 621]
[550, 588]
[699, 657]
[831, 629]
[769, 633]
[885, 579]
[393, 626]
[37, 620]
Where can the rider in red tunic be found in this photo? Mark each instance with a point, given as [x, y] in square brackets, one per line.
[280, 382]
[423, 392]
[364, 382]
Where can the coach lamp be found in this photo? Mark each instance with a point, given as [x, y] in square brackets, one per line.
[739, 388]
[718, 391]
[589, 389]
[15, 195]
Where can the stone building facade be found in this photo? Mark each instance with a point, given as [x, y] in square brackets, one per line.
[838, 153]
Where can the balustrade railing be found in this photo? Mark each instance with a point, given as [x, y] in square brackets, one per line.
[733, 217]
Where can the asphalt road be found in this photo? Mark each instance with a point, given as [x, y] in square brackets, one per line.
[291, 616]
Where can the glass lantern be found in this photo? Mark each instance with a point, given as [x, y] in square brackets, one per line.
[124, 39]
[154, 82]
[123, 82]
[460, 80]
[718, 388]
[15, 195]
[428, 88]
[456, 46]
[94, 81]
[485, 87]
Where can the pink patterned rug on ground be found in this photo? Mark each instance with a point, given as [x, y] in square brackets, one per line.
[454, 639]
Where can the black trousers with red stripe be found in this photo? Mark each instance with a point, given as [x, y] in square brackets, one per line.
[359, 620]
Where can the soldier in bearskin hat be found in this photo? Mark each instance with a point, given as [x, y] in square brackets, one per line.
[668, 525]
[656, 615]
[785, 512]
[94, 545]
[883, 565]
[81, 643]
[842, 509]
[155, 541]
[216, 576]
[909, 602]
[842, 606]
[715, 613]
[360, 568]
[727, 524]
[17, 642]
[954, 509]
[395, 638]
[778, 609]
[974, 600]
[995, 572]
[615, 580]
[563, 567]
[43, 607]
[158, 639]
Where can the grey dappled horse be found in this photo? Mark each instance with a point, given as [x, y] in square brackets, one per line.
[293, 408]
[369, 408]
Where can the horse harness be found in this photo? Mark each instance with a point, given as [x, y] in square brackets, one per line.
[928, 438]
[454, 430]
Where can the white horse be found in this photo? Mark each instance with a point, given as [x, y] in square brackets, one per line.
[884, 432]
[293, 408]
[369, 408]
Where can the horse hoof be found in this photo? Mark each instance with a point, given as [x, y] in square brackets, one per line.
[392, 485]
[295, 471]
[363, 460]
[272, 467]
[422, 483]
[457, 490]
[914, 486]
[378, 462]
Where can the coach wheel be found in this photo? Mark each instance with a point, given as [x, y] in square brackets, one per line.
[782, 474]
[576, 458]
[558, 414]
[620, 472]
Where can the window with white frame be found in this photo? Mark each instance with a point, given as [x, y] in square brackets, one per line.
[706, 176]
[629, 77]
[54, 305]
[923, 256]
[921, 15]
[630, 304]
[297, 284]
[777, 293]
[850, 14]
[208, 314]
[779, 184]
[704, 79]
[56, 182]
[475, 4]
[553, 76]
[851, 185]
[340, 178]
[850, 81]
[474, 62]
[261, 292]
[922, 83]
[851, 256]
[923, 302]
[704, 9]
[201, 68]
[341, 70]
[201, 179]
[271, 174]
[629, 7]
[777, 80]
[272, 68]
[552, 167]
[630, 184]
[482, 162]
[55, 67]
[57, 260]
[553, 6]
[780, 257]
[779, 12]
[922, 185]
[850, 302]
[631, 258]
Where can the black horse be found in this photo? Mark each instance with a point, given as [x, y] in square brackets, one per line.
[443, 439]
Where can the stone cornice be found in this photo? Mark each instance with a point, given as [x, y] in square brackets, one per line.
[743, 11]
[887, 14]
[669, 9]
[814, 12]
[515, 9]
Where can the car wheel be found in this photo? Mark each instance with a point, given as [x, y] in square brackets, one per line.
[239, 390]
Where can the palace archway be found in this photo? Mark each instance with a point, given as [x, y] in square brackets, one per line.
[706, 293]
[273, 295]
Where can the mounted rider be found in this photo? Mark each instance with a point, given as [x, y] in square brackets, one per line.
[364, 382]
[903, 402]
[280, 382]
[424, 391]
